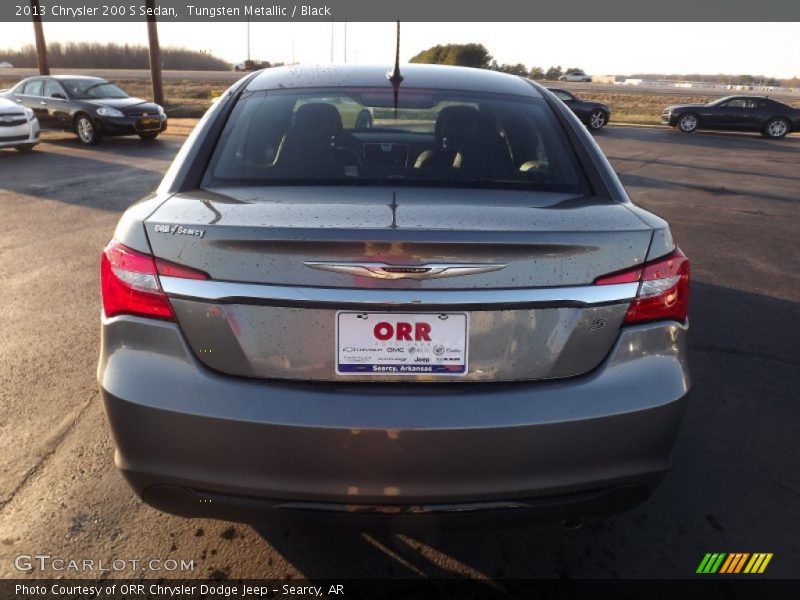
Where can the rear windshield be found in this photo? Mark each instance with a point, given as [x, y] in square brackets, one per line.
[363, 136]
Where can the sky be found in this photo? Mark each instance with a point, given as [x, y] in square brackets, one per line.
[771, 49]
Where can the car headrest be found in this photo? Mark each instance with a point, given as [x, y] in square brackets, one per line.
[454, 123]
[317, 118]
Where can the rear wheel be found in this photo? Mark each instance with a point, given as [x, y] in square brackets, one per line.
[776, 128]
[688, 123]
[146, 137]
[26, 148]
[598, 119]
[86, 130]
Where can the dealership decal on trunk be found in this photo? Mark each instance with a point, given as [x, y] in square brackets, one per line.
[401, 344]
[180, 230]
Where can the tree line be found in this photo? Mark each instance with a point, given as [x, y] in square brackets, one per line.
[85, 55]
[478, 56]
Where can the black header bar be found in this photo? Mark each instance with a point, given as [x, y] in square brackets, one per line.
[444, 11]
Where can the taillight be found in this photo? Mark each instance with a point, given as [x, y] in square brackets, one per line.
[129, 282]
[663, 291]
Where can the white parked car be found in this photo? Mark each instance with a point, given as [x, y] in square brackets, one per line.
[6, 65]
[19, 127]
[576, 76]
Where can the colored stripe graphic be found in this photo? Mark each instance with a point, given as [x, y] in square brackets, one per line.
[703, 563]
[758, 563]
[711, 562]
[723, 563]
[737, 562]
[765, 563]
[729, 562]
[717, 563]
[741, 562]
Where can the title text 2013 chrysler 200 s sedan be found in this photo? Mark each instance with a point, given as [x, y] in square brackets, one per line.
[454, 312]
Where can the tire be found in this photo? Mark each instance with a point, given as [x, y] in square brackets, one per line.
[597, 119]
[364, 120]
[688, 122]
[26, 148]
[776, 128]
[149, 137]
[86, 130]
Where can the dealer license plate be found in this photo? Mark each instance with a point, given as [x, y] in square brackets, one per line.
[369, 343]
[148, 124]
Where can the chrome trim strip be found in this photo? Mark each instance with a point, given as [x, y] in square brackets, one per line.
[226, 292]
[387, 271]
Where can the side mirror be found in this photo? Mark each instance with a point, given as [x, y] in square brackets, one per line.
[58, 95]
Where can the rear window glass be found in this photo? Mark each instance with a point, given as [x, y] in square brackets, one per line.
[366, 136]
[32, 88]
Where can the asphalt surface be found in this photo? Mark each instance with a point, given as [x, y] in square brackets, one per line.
[733, 202]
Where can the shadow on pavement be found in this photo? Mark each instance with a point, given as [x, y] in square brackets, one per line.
[633, 179]
[704, 168]
[130, 146]
[109, 176]
[733, 486]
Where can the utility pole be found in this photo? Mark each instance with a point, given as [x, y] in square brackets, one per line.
[155, 54]
[41, 47]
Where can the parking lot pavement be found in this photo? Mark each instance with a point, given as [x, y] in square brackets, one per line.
[734, 207]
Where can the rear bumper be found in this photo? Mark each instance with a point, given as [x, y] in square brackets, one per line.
[195, 443]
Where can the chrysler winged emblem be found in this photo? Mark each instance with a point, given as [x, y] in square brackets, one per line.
[385, 271]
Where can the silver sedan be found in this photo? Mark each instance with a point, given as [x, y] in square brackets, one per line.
[451, 311]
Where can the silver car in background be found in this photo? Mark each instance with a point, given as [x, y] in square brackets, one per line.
[19, 127]
[455, 313]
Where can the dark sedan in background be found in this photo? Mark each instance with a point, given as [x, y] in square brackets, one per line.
[89, 106]
[735, 113]
[594, 115]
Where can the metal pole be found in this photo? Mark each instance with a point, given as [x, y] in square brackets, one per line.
[248, 38]
[345, 42]
[155, 54]
[41, 47]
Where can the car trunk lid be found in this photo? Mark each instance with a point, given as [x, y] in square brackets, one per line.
[284, 261]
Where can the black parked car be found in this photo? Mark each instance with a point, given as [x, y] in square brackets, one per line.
[89, 106]
[593, 114]
[736, 113]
